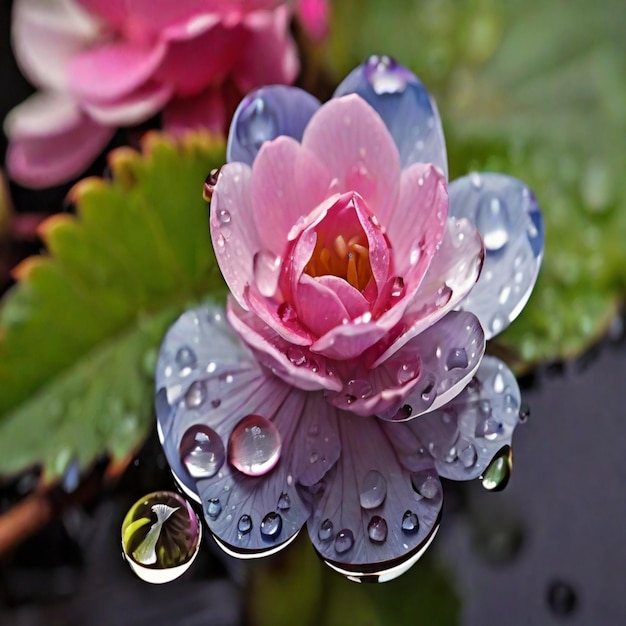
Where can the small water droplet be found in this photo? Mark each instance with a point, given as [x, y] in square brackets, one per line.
[215, 403]
[160, 537]
[223, 216]
[403, 413]
[284, 502]
[398, 289]
[214, 508]
[476, 181]
[492, 220]
[408, 371]
[313, 458]
[271, 525]
[296, 355]
[457, 358]
[266, 270]
[201, 451]
[255, 123]
[359, 388]
[426, 484]
[384, 75]
[443, 296]
[185, 358]
[428, 391]
[221, 242]
[498, 383]
[490, 429]
[244, 525]
[415, 255]
[410, 523]
[467, 455]
[524, 412]
[286, 313]
[373, 490]
[562, 598]
[504, 294]
[254, 445]
[325, 531]
[377, 529]
[497, 323]
[498, 472]
[344, 540]
[196, 394]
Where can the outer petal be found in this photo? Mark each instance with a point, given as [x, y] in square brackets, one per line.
[464, 435]
[452, 273]
[349, 137]
[288, 182]
[408, 110]
[211, 382]
[112, 71]
[234, 234]
[264, 114]
[362, 503]
[46, 35]
[508, 217]
[51, 141]
[270, 56]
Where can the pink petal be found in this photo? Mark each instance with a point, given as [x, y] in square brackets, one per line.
[296, 365]
[133, 108]
[318, 307]
[114, 70]
[349, 137]
[46, 35]
[270, 56]
[288, 182]
[452, 273]
[51, 159]
[351, 298]
[314, 15]
[349, 340]
[114, 12]
[207, 111]
[234, 234]
[43, 113]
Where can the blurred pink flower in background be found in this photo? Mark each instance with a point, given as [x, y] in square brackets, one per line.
[100, 64]
[314, 17]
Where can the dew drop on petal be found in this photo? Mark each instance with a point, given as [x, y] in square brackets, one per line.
[201, 451]
[497, 323]
[498, 472]
[476, 180]
[498, 383]
[398, 288]
[359, 388]
[377, 529]
[244, 525]
[254, 445]
[384, 75]
[373, 490]
[223, 216]
[284, 502]
[403, 413]
[408, 371]
[257, 123]
[426, 484]
[160, 537]
[265, 269]
[457, 358]
[196, 394]
[214, 508]
[344, 540]
[325, 531]
[296, 355]
[410, 523]
[443, 296]
[185, 358]
[467, 455]
[492, 220]
[271, 525]
[286, 313]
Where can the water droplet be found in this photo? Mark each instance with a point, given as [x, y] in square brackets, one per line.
[524, 412]
[497, 323]
[426, 484]
[201, 451]
[325, 531]
[214, 508]
[490, 429]
[185, 358]
[344, 540]
[467, 455]
[398, 289]
[266, 270]
[457, 358]
[271, 525]
[296, 355]
[284, 502]
[443, 296]
[415, 255]
[373, 490]
[384, 75]
[286, 313]
[221, 242]
[359, 388]
[504, 294]
[244, 525]
[498, 383]
[209, 184]
[408, 371]
[492, 220]
[256, 123]
[196, 394]
[160, 537]
[451, 455]
[476, 180]
[410, 523]
[254, 445]
[215, 403]
[428, 391]
[562, 598]
[223, 216]
[498, 472]
[377, 529]
[403, 413]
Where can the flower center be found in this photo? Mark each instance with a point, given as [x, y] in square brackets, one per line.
[347, 259]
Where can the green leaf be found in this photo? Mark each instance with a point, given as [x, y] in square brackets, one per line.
[295, 587]
[539, 94]
[80, 332]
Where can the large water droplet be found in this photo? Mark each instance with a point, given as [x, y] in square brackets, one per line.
[296, 355]
[325, 531]
[410, 523]
[496, 476]
[244, 525]
[196, 394]
[256, 123]
[377, 529]
[254, 445]
[185, 358]
[373, 490]
[201, 451]
[271, 525]
[266, 269]
[457, 358]
[160, 537]
[426, 484]
[384, 75]
[344, 540]
[492, 220]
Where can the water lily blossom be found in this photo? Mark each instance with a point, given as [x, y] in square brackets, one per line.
[347, 374]
[104, 64]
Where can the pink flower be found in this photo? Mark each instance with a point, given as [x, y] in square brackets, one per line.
[356, 289]
[100, 64]
[313, 15]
